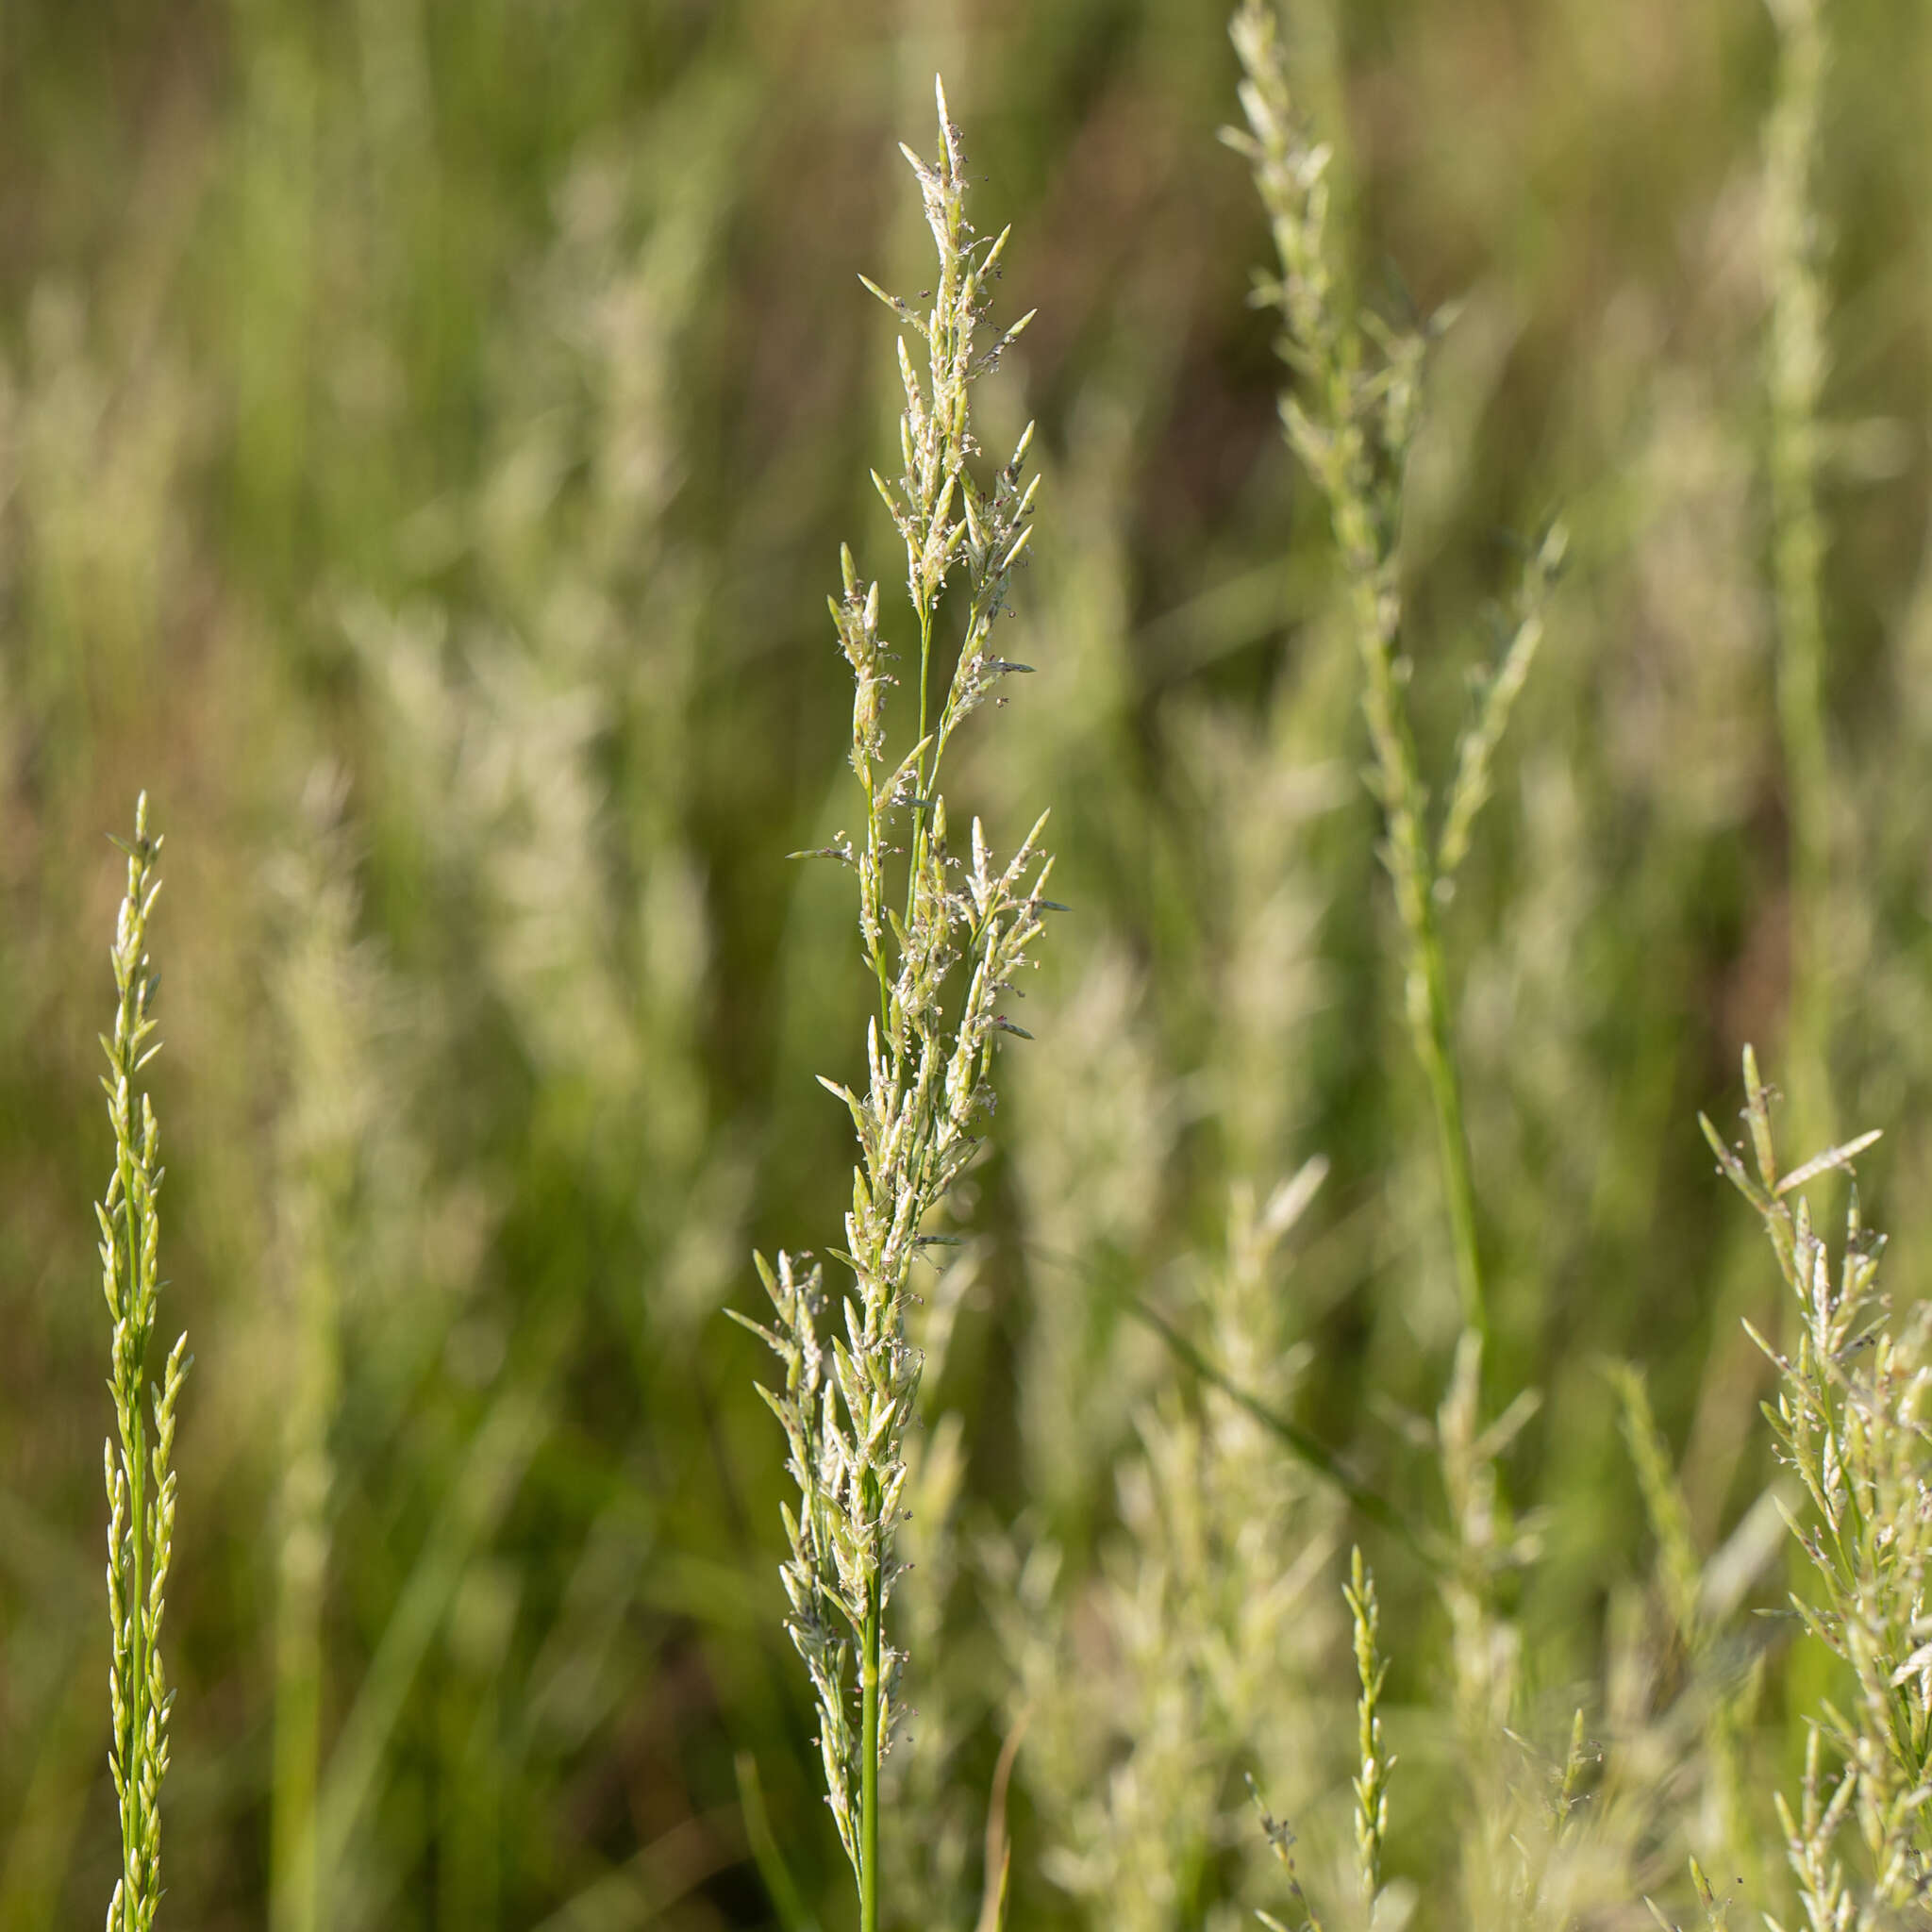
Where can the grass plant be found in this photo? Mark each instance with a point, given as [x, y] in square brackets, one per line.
[961, 936]
[1849, 1422]
[1352, 417]
[466, 411]
[146, 1392]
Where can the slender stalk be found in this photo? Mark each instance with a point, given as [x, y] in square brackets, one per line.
[295, 1898]
[134, 1820]
[1429, 1028]
[1794, 377]
[925, 778]
[1411, 858]
[293, 1901]
[869, 1764]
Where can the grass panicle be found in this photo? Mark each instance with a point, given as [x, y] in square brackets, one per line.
[483, 488]
[140, 1476]
[1372, 1779]
[942, 954]
[1851, 1422]
[1351, 414]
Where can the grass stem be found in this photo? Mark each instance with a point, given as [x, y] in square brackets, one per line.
[869, 1767]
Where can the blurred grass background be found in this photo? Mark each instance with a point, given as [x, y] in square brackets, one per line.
[425, 434]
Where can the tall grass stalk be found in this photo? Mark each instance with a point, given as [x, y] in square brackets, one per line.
[961, 937]
[141, 1521]
[1352, 417]
[1351, 414]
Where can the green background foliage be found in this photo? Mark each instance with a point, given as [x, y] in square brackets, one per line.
[427, 431]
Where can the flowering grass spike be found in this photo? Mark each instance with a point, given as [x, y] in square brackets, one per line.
[140, 1523]
[941, 949]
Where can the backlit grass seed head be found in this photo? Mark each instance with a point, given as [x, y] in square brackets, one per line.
[141, 1521]
[943, 939]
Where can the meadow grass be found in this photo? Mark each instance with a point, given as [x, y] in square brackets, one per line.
[1326, 1398]
[958, 941]
[139, 1475]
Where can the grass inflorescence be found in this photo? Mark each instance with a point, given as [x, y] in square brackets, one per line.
[1331, 1384]
[139, 1475]
[1351, 415]
[942, 952]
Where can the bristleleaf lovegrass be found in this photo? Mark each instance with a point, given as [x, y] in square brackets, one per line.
[1371, 1780]
[140, 1523]
[941, 963]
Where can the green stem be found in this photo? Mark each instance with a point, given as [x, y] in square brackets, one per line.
[875, 833]
[869, 1767]
[131, 1460]
[133, 1813]
[1430, 1025]
[1412, 867]
[134, 1459]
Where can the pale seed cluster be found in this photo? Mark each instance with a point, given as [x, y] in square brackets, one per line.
[140, 1521]
[943, 959]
